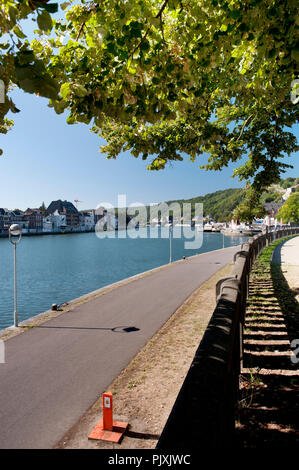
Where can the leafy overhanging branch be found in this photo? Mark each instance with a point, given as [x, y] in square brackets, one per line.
[212, 77]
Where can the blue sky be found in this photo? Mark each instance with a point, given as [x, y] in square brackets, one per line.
[46, 159]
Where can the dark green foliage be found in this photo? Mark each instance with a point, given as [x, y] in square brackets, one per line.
[218, 205]
[270, 196]
[288, 182]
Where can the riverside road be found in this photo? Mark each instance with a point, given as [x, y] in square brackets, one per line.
[54, 372]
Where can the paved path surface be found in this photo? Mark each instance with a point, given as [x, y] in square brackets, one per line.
[288, 252]
[54, 372]
[288, 255]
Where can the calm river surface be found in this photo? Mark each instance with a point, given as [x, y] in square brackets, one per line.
[58, 268]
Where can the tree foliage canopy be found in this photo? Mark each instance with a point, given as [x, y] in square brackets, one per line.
[164, 78]
[250, 207]
[289, 182]
[289, 212]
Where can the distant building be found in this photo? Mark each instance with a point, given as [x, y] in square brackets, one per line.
[16, 217]
[288, 192]
[8, 218]
[272, 208]
[99, 213]
[34, 218]
[4, 219]
[65, 208]
[55, 222]
[86, 220]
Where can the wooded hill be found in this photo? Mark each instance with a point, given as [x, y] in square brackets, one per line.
[220, 205]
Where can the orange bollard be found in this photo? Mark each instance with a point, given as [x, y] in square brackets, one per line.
[107, 429]
[107, 411]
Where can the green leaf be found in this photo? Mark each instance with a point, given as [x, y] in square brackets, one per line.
[64, 5]
[69, 89]
[272, 53]
[44, 86]
[65, 90]
[51, 7]
[23, 73]
[47, 87]
[235, 14]
[145, 46]
[60, 106]
[71, 119]
[27, 85]
[44, 21]
[18, 32]
[13, 14]
[79, 90]
[25, 57]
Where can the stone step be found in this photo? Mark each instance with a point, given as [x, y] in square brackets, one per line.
[265, 333]
[275, 372]
[264, 344]
[266, 325]
[268, 353]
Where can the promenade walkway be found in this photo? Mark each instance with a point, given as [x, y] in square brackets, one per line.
[55, 371]
[288, 256]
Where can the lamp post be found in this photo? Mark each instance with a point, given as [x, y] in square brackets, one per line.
[170, 243]
[15, 235]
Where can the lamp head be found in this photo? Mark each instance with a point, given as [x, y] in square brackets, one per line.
[15, 230]
[15, 234]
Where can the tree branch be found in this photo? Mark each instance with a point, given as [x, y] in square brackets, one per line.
[90, 10]
[275, 128]
[243, 127]
[80, 30]
[159, 15]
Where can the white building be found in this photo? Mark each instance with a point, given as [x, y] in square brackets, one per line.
[288, 192]
[54, 222]
[87, 221]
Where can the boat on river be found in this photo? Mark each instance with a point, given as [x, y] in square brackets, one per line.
[240, 230]
[207, 227]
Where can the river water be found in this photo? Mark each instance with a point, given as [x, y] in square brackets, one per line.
[58, 268]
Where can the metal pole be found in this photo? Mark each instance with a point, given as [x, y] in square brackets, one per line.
[170, 247]
[15, 272]
[15, 231]
[223, 240]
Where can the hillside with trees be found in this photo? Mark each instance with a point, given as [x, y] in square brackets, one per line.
[218, 205]
[225, 204]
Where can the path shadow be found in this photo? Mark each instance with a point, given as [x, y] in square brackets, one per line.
[141, 435]
[268, 414]
[115, 329]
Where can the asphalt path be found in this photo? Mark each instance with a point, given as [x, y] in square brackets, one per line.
[54, 372]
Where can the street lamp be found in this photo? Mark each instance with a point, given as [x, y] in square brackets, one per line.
[15, 235]
[170, 244]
